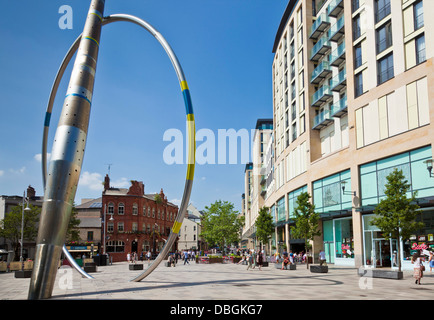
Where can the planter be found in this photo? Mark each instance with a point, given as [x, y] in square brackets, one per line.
[215, 260]
[89, 267]
[23, 274]
[236, 260]
[136, 266]
[319, 269]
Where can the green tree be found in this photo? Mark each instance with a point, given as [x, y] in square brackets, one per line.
[264, 225]
[306, 221]
[221, 224]
[396, 214]
[10, 226]
[73, 231]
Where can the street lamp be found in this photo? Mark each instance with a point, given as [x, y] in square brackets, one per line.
[429, 165]
[343, 183]
[27, 209]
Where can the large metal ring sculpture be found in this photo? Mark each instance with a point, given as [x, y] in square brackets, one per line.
[35, 286]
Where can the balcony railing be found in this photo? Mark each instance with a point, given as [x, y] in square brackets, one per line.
[335, 8]
[337, 30]
[322, 95]
[338, 55]
[320, 72]
[339, 81]
[322, 120]
[320, 48]
[339, 108]
[321, 23]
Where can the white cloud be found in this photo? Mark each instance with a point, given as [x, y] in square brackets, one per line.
[120, 183]
[176, 201]
[19, 171]
[93, 181]
[38, 157]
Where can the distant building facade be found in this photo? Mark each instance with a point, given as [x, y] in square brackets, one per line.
[141, 222]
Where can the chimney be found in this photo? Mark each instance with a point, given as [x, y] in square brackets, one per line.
[31, 193]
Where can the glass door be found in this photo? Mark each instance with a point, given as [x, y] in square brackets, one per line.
[329, 252]
[376, 254]
[394, 256]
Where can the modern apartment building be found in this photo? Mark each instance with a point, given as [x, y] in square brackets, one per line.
[256, 174]
[351, 102]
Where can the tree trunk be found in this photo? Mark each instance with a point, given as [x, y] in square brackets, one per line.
[399, 252]
[307, 257]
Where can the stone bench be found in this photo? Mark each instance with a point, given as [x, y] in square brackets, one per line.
[287, 267]
[319, 269]
[384, 274]
[136, 266]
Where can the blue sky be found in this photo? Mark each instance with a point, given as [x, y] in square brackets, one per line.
[224, 47]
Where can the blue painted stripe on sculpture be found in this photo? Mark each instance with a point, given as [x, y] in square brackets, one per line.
[79, 95]
[187, 100]
[47, 119]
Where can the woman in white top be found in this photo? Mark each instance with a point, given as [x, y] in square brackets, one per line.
[417, 260]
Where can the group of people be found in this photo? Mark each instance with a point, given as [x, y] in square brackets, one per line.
[418, 259]
[253, 258]
[186, 256]
[133, 257]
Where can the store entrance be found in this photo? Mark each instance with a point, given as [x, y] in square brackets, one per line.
[382, 253]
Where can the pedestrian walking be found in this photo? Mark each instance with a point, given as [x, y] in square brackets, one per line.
[431, 261]
[417, 260]
[249, 260]
[260, 260]
[322, 257]
[128, 257]
[186, 257]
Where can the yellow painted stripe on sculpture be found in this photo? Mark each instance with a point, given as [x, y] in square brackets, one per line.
[184, 85]
[176, 226]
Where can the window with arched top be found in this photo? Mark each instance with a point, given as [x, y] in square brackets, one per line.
[149, 211]
[144, 210]
[121, 208]
[153, 212]
[135, 209]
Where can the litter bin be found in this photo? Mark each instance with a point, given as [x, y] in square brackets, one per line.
[103, 259]
[97, 260]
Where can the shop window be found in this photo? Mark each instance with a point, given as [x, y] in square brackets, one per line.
[344, 241]
[115, 246]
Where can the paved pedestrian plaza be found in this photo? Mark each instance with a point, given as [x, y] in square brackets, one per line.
[223, 282]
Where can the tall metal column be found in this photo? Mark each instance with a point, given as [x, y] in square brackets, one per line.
[66, 158]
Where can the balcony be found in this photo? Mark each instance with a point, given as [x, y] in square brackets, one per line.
[319, 49]
[337, 31]
[320, 72]
[322, 95]
[335, 8]
[322, 120]
[337, 56]
[338, 109]
[340, 81]
[318, 27]
[263, 190]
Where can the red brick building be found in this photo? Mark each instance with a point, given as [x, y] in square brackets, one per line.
[135, 217]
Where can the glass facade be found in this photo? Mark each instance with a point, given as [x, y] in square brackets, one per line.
[379, 252]
[373, 175]
[292, 200]
[328, 197]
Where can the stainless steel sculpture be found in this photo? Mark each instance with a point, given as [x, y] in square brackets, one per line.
[69, 145]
